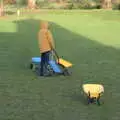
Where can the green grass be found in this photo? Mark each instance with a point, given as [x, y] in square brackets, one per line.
[89, 39]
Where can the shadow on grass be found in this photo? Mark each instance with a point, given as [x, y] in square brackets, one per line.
[78, 96]
[92, 60]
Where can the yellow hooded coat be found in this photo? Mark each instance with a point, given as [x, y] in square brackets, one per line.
[45, 38]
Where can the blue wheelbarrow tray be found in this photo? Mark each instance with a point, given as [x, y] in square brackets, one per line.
[56, 68]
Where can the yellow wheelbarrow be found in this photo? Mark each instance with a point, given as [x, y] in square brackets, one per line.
[93, 92]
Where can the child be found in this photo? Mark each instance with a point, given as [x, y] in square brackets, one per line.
[46, 45]
[18, 13]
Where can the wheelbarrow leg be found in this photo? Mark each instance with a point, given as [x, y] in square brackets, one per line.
[98, 100]
[88, 98]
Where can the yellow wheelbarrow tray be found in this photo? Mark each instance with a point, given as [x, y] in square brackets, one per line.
[64, 63]
[93, 92]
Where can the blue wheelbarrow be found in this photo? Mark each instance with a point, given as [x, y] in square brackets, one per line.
[55, 67]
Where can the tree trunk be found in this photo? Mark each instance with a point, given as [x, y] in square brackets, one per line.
[31, 4]
[1, 8]
[107, 4]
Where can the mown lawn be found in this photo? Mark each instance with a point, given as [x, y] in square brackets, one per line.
[90, 40]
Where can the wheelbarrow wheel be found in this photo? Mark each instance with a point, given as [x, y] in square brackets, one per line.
[31, 66]
[66, 72]
[49, 71]
[88, 100]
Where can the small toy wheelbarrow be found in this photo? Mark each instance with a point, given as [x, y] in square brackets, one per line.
[93, 92]
[57, 66]
[54, 68]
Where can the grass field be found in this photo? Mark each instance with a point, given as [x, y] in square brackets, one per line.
[90, 40]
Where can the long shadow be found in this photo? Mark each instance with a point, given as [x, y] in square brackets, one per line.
[93, 61]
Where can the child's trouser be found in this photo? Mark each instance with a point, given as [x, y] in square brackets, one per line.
[45, 57]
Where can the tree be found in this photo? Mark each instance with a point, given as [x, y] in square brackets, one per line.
[1, 8]
[31, 4]
[107, 4]
[21, 2]
[9, 1]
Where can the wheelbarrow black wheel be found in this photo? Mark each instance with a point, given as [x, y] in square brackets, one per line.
[31, 66]
[88, 100]
[50, 71]
[66, 72]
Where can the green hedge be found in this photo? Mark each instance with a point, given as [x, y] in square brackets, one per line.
[116, 6]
